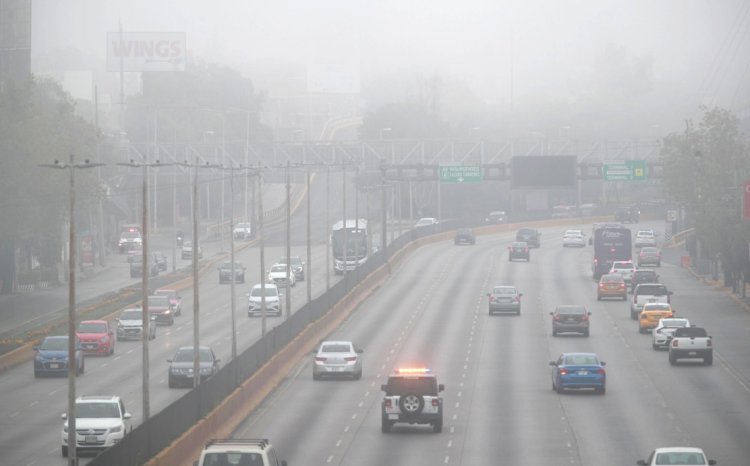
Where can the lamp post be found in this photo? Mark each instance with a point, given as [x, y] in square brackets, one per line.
[72, 363]
[145, 272]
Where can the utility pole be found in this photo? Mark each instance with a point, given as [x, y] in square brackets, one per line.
[288, 243]
[262, 257]
[384, 211]
[72, 363]
[145, 272]
[343, 198]
[196, 251]
[327, 226]
[309, 239]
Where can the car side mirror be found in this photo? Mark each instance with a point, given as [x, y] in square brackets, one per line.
[169, 360]
[643, 462]
[383, 387]
[247, 295]
[711, 461]
[441, 387]
[589, 313]
[127, 416]
[64, 416]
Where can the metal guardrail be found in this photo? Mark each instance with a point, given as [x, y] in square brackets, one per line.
[678, 239]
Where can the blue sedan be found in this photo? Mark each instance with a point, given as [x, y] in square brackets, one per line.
[52, 356]
[578, 370]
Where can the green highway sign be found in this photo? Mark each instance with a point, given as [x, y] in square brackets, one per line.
[624, 170]
[460, 174]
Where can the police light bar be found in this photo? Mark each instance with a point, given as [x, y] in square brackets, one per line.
[413, 370]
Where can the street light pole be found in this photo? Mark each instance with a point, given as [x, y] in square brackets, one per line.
[308, 277]
[262, 257]
[288, 243]
[72, 347]
[327, 226]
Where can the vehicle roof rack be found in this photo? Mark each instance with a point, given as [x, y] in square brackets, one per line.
[261, 442]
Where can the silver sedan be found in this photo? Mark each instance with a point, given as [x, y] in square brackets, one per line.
[337, 359]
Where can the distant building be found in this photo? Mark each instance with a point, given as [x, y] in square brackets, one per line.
[15, 40]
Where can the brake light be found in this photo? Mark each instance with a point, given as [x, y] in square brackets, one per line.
[556, 317]
[622, 285]
[601, 371]
[675, 344]
[585, 317]
[563, 372]
[708, 343]
[388, 403]
[320, 359]
[435, 402]
[525, 249]
[350, 358]
[413, 370]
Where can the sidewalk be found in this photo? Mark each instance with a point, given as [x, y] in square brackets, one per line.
[25, 312]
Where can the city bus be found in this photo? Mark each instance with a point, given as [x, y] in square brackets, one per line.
[612, 242]
[350, 255]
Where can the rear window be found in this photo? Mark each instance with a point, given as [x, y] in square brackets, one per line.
[504, 290]
[691, 332]
[398, 386]
[576, 310]
[336, 348]
[612, 279]
[653, 290]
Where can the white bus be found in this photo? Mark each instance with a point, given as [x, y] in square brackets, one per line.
[351, 244]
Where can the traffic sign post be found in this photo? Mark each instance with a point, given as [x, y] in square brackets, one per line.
[460, 174]
[624, 170]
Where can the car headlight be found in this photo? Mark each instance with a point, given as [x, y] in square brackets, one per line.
[205, 370]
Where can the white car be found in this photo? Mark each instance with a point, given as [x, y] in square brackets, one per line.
[277, 275]
[187, 250]
[425, 222]
[662, 334]
[337, 359]
[681, 456]
[255, 300]
[573, 238]
[101, 421]
[645, 238]
[242, 231]
[624, 268]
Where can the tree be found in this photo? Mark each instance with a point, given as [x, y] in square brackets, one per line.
[703, 170]
[38, 125]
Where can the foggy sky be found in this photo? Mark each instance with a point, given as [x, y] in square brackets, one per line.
[544, 42]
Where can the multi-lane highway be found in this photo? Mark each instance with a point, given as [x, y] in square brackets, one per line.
[499, 405]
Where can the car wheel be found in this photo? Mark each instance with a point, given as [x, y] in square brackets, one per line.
[111, 350]
[171, 321]
[316, 376]
[437, 427]
[672, 359]
[585, 333]
[554, 332]
[518, 312]
[598, 297]
[602, 390]
[170, 383]
[358, 376]
[554, 388]
[559, 389]
[658, 264]
[411, 403]
[37, 374]
[65, 451]
[708, 360]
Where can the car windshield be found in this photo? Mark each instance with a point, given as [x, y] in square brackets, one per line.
[228, 266]
[656, 307]
[54, 344]
[526, 231]
[674, 322]
[504, 290]
[97, 410]
[158, 301]
[402, 385]
[622, 265]
[576, 310]
[464, 231]
[649, 250]
[130, 235]
[655, 290]
[187, 354]
[294, 261]
[258, 292]
[519, 245]
[612, 279]
[233, 458]
[242, 226]
[92, 327]
[169, 294]
[336, 348]
[279, 268]
[581, 359]
[132, 314]
[680, 458]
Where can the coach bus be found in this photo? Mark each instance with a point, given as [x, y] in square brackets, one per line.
[351, 244]
[612, 242]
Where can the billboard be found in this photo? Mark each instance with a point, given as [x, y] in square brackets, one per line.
[543, 171]
[146, 51]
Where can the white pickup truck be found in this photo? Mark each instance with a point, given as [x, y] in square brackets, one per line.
[253, 452]
[648, 293]
[692, 343]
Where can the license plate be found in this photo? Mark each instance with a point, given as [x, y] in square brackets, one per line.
[54, 366]
[393, 416]
[583, 372]
[90, 439]
[692, 353]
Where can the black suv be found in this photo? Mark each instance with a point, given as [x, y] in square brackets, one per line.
[643, 276]
[627, 215]
[225, 272]
[412, 397]
[136, 266]
[519, 250]
[464, 236]
[530, 236]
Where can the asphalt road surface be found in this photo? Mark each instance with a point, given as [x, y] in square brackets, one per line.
[499, 405]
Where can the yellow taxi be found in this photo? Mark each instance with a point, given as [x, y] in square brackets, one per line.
[649, 317]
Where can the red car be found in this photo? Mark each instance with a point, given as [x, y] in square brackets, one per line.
[97, 337]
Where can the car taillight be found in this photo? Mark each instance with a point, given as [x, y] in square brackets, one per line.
[563, 372]
[435, 402]
[492, 298]
[585, 317]
[622, 286]
[388, 403]
[601, 371]
[516, 299]
[708, 343]
[556, 317]
[525, 249]
[320, 359]
[641, 254]
[350, 358]
[675, 344]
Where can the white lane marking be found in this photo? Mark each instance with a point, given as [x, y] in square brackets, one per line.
[450, 443]
[52, 393]
[33, 403]
[447, 459]
[346, 429]
[338, 444]
[330, 458]
[354, 416]
[15, 414]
